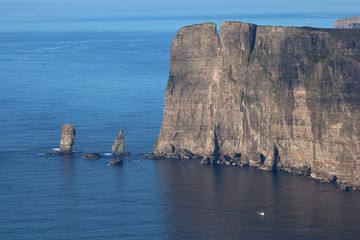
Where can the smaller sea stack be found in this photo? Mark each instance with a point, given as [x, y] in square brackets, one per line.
[118, 144]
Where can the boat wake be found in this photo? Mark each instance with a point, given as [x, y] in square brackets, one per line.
[260, 213]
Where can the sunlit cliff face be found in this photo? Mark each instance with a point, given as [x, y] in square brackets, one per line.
[271, 97]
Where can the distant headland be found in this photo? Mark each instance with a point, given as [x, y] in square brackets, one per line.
[350, 22]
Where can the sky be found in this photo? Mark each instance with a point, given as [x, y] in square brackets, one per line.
[43, 14]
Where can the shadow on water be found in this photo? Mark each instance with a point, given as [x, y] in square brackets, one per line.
[227, 202]
[68, 167]
[68, 198]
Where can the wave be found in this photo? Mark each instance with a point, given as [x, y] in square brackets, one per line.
[260, 213]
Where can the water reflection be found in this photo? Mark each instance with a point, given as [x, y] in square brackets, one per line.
[68, 169]
[68, 196]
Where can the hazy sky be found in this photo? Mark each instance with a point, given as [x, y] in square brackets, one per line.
[37, 14]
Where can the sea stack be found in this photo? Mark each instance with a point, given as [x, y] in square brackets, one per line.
[118, 143]
[67, 138]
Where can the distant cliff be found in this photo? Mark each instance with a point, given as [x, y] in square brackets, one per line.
[278, 98]
[351, 22]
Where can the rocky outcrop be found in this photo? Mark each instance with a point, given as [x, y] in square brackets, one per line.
[118, 144]
[67, 137]
[66, 141]
[116, 162]
[351, 22]
[91, 156]
[278, 98]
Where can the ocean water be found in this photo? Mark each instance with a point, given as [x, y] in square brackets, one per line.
[102, 72]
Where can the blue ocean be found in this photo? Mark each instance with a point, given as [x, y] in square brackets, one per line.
[102, 66]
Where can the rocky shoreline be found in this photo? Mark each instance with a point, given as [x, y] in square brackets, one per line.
[236, 161]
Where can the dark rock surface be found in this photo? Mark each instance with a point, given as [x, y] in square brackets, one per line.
[116, 162]
[61, 153]
[345, 187]
[151, 156]
[351, 22]
[277, 98]
[91, 156]
[118, 144]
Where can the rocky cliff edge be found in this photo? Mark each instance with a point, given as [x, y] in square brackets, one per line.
[278, 98]
[351, 22]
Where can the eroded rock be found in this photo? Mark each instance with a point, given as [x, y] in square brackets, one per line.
[91, 156]
[116, 162]
[66, 141]
[67, 137]
[118, 144]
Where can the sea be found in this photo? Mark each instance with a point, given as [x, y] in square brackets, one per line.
[102, 66]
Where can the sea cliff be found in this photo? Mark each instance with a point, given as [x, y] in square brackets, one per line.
[277, 98]
[351, 22]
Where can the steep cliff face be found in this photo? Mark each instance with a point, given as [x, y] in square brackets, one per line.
[279, 98]
[351, 22]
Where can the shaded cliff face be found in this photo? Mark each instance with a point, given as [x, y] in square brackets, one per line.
[351, 22]
[272, 97]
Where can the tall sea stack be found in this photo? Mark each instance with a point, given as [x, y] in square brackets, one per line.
[67, 138]
[278, 98]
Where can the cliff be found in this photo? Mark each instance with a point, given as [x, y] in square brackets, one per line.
[278, 98]
[351, 22]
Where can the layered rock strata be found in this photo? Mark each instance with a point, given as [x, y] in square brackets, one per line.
[351, 22]
[278, 98]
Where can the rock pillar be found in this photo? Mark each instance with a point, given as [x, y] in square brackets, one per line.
[67, 137]
[118, 143]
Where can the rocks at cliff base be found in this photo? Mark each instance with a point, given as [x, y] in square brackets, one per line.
[345, 187]
[91, 156]
[208, 160]
[174, 153]
[233, 160]
[151, 156]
